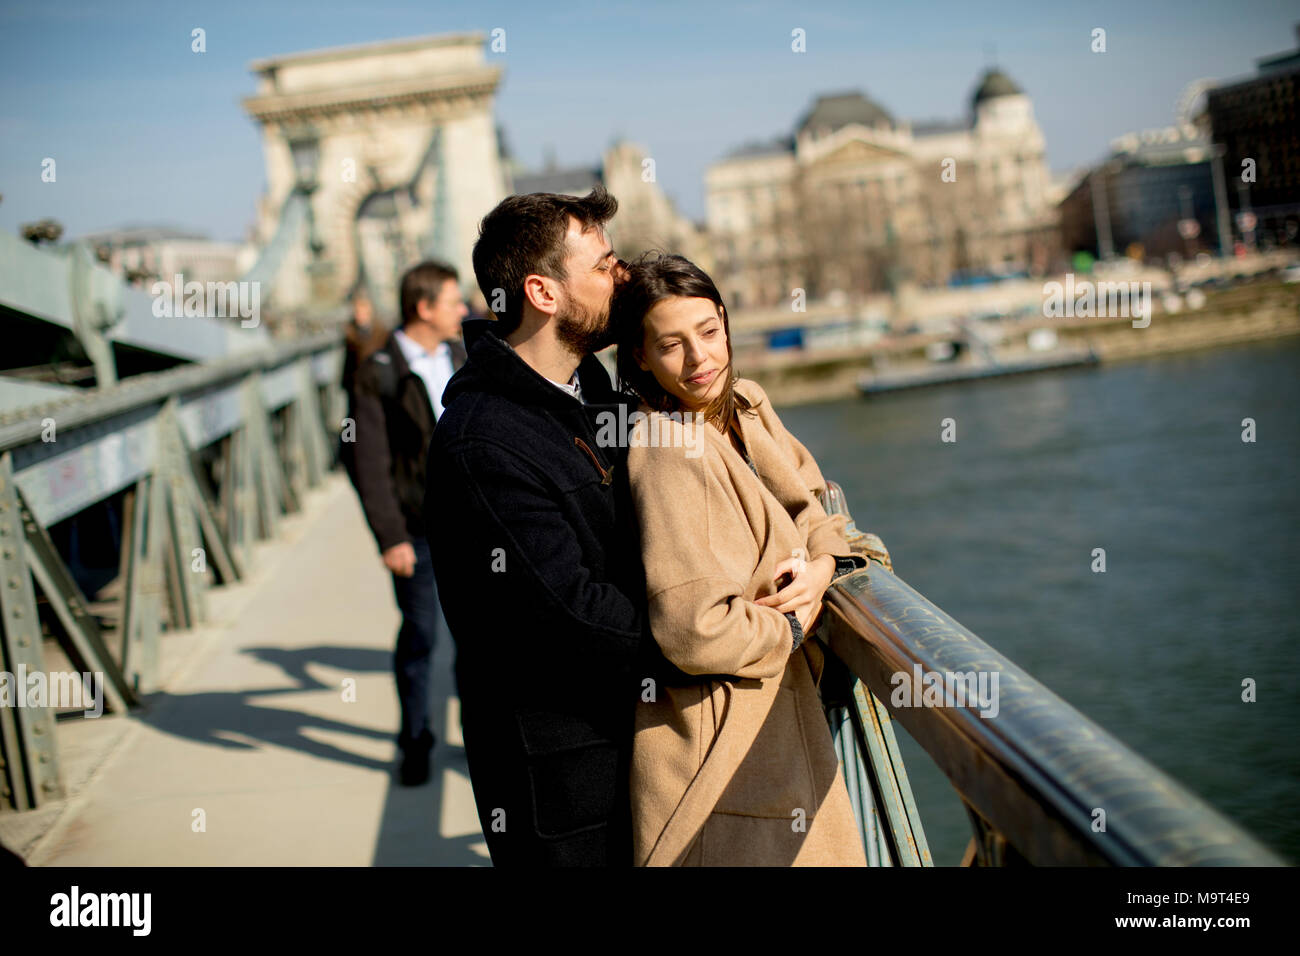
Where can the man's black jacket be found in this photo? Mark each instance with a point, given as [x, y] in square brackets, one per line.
[539, 572]
[394, 424]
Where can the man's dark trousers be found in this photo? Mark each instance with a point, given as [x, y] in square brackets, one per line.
[417, 597]
[394, 421]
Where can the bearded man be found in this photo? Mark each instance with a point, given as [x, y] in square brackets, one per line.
[535, 548]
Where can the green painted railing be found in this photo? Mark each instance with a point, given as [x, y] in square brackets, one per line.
[206, 458]
[1042, 784]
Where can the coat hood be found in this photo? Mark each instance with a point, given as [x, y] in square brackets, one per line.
[494, 367]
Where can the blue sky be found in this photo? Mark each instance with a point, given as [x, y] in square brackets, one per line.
[144, 130]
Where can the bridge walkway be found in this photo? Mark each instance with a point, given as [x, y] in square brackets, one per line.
[252, 753]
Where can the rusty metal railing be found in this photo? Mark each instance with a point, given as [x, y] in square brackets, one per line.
[1042, 784]
[205, 458]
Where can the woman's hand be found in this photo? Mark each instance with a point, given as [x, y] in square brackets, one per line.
[803, 595]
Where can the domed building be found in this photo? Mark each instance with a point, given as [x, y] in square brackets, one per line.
[855, 201]
[834, 112]
[995, 84]
[999, 104]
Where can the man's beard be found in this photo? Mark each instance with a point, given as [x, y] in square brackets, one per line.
[582, 330]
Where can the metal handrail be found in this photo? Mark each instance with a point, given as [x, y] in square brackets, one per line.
[23, 425]
[206, 459]
[1045, 785]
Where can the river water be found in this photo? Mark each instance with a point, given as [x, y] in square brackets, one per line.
[1145, 460]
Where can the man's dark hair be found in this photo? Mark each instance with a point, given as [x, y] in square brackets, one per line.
[523, 236]
[424, 281]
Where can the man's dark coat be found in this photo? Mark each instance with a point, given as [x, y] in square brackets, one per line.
[539, 571]
[394, 424]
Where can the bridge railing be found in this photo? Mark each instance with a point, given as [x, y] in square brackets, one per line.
[1042, 784]
[195, 463]
[210, 457]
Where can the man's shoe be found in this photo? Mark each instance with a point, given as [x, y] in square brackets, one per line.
[415, 761]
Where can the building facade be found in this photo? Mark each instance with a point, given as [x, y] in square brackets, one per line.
[1256, 122]
[1153, 197]
[376, 156]
[647, 218]
[856, 202]
[143, 254]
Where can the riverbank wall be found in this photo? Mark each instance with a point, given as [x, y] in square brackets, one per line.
[1245, 314]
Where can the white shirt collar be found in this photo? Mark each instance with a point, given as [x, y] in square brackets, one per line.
[574, 388]
[413, 350]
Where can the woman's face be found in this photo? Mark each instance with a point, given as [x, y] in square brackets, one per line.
[685, 347]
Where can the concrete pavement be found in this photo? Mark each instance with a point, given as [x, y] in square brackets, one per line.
[255, 753]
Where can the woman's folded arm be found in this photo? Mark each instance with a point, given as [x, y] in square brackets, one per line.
[825, 532]
[698, 551]
[706, 626]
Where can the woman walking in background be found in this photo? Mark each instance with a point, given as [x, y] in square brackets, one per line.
[362, 337]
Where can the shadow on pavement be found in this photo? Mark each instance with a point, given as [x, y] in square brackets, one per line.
[409, 829]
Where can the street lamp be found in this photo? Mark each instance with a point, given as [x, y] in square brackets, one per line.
[1221, 200]
[1101, 213]
[304, 148]
[1245, 218]
[1188, 226]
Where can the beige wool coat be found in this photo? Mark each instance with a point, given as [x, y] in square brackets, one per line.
[738, 768]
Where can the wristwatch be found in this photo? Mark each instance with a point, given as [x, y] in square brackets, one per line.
[845, 566]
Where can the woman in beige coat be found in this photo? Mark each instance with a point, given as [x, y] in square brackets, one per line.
[734, 765]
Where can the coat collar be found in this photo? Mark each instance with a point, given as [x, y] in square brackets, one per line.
[757, 459]
[396, 356]
[403, 368]
[416, 400]
[458, 354]
[493, 366]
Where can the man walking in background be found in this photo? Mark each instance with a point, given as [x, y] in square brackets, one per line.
[397, 400]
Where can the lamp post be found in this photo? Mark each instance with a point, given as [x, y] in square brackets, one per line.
[1188, 227]
[1245, 217]
[304, 148]
[1221, 201]
[1101, 214]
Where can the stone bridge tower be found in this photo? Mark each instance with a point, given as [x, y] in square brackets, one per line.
[376, 156]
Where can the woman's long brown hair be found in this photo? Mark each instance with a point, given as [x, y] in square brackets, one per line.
[651, 278]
